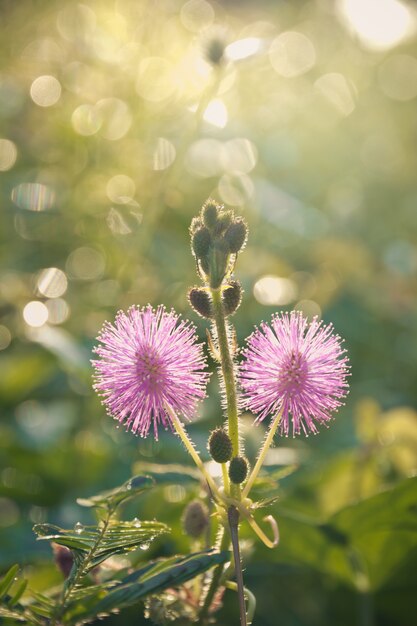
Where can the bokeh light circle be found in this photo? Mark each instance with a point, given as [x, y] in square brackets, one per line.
[35, 314]
[8, 154]
[45, 91]
[292, 54]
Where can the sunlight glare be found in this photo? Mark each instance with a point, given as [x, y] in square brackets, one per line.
[243, 48]
[216, 113]
[379, 24]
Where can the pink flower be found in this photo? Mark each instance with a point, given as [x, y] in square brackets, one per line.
[296, 367]
[147, 360]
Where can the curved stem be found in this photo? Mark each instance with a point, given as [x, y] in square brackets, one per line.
[258, 530]
[261, 458]
[250, 599]
[191, 450]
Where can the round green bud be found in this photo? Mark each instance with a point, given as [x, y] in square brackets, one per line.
[195, 519]
[209, 213]
[200, 242]
[238, 469]
[220, 446]
[200, 301]
[236, 235]
[232, 297]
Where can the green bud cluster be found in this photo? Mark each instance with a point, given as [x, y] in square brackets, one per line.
[220, 446]
[217, 235]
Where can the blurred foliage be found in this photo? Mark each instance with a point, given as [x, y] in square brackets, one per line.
[117, 120]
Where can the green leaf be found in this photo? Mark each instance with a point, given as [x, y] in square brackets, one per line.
[112, 498]
[382, 529]
[8, 580]
[157, 576]
[18, 592]
[168, 474]
[119, 538]
[362, 544]
[10, 614]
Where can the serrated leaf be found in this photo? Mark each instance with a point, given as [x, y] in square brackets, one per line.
[176, 572]
[18, 592]
[168, 474]
[119, 538]
[9, 613]
[113, 497]
[7, 580]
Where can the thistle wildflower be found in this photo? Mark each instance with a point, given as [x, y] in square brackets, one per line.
[294, 369]
[148, 361]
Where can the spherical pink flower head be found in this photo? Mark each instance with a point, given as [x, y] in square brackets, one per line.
[296, 367]
[148, 360]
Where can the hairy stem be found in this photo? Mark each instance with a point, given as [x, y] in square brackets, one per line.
[233, 516]
[228, 376]
[191, 450]
[215, 581]
[261, 457]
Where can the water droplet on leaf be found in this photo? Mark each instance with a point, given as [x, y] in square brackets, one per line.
[137, 523]
[144, 546]
[78, 528]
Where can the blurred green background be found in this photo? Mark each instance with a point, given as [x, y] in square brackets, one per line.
[117, 120]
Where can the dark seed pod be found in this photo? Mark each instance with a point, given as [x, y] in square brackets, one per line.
[236, 235]
[200, 301]
[195, 519]
[201, 242]
[209, 213]
[220, 446]
[232, 297]
[238, 469]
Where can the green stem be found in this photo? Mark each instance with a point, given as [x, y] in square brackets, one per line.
[226, 482]
[233, 517]
[215, 581]
[261, 458]
[228, 376]
[192, 451]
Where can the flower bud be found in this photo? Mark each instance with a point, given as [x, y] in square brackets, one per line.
[232, 297]
[195, 519]
[219, 259]
[220, 446]
[238, 469]
[236, 235]
[224, 220]
[196, 223]
[200, 301]
[201, 242]
[209, 213]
